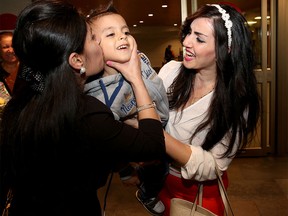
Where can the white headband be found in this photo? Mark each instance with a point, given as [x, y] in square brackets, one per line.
[228, 22]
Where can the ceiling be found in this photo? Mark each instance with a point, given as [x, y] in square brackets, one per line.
[135, 10]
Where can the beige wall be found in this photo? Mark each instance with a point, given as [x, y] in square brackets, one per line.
[153, 41]
[282, 79]
[12, 6]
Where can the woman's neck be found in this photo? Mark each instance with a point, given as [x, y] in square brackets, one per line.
[10, 67]
[203, 85]
[205, 76]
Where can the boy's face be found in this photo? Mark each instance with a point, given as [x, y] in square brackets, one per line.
[115, 38]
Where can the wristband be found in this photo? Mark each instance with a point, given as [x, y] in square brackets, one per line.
[146, 106]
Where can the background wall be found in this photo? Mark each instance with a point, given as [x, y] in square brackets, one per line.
[12, 6]
[9, 10]
[154, 40]
[282, 79]
[151, 40]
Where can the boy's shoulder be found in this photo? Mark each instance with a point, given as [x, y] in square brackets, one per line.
[146, 69]
[144, 58]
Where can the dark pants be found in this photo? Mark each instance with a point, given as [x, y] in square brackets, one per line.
[152, 176]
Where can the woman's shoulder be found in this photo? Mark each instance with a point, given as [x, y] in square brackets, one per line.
[92, 104]
[170, 68]
[169, 71]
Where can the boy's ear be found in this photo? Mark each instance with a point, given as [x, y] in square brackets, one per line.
[75, 61]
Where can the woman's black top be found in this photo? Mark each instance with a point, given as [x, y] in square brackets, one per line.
[63, 180]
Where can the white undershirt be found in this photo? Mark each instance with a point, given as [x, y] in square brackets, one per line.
[201, 163]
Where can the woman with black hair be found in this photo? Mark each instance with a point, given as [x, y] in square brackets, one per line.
[213, 100]
[58, 145]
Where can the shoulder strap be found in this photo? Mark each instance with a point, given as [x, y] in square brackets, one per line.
[106, 193]
[8, 203]
[223, 191]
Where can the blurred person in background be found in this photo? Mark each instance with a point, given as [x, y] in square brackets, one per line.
[9, 62]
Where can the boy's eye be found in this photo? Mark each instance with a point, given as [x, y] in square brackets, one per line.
[110, 35]
[127, 33]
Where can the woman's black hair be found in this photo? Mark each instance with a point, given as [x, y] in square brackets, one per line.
[46, 33]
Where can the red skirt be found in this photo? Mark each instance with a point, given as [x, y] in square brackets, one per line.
[176, 187]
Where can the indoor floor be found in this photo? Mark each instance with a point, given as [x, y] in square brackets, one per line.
[258, 186]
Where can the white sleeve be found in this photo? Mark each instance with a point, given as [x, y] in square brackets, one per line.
[200, 165]
[168, 72]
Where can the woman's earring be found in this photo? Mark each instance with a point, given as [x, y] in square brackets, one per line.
[82, 70]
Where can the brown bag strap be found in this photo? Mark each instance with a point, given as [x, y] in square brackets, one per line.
[223, 192]
[8, 203]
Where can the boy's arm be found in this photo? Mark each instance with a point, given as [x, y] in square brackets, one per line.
[155, 87]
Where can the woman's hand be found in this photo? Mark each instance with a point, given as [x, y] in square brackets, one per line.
[131, 69]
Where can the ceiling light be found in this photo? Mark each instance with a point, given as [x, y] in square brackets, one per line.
[259, 17]
[150, 15]
[251, 22]
[134, 25]
[141, 21]
[175, 24]
[164, 5]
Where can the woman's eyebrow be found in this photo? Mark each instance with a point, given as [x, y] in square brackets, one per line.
[200, 34]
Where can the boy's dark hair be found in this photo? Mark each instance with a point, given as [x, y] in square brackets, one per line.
[102, 10]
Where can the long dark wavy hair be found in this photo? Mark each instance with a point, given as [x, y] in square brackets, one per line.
[235, 106]
[46, 33]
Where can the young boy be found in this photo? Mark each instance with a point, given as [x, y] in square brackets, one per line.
[111, 88]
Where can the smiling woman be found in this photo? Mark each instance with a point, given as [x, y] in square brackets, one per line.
[209, 115]
[9, 65]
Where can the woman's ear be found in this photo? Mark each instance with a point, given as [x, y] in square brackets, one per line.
[75, 61]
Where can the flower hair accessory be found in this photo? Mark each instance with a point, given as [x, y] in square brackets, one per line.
[228, 22]
[34, 79]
